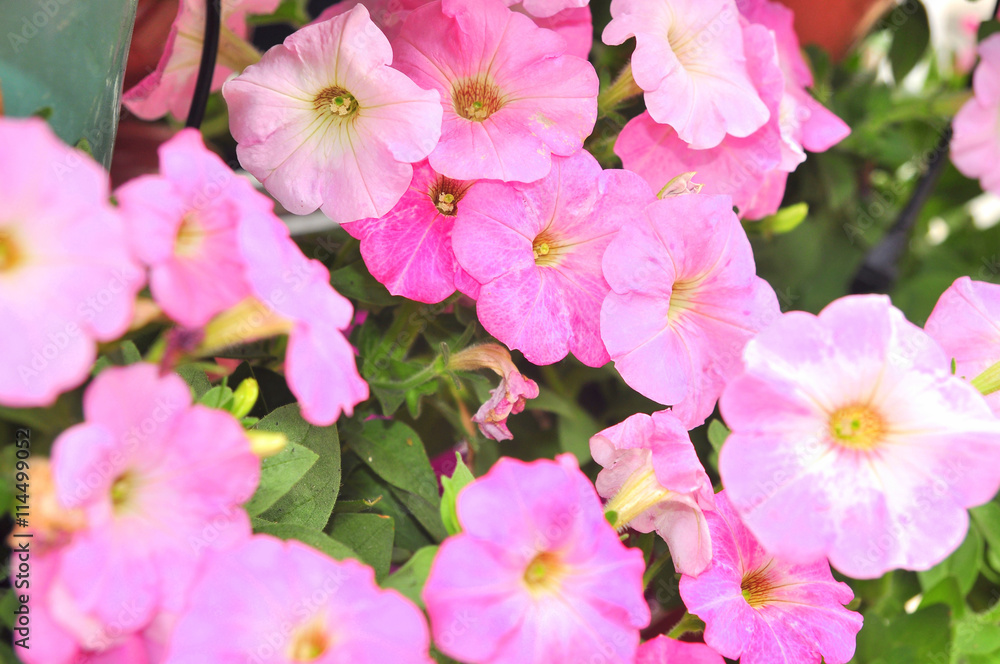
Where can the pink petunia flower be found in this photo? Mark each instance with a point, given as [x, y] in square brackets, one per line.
[975, 145]
[507, 399]
[170, 87]
[737, 167]
[409, 249]
[291, 295]
[575, 25]
[684, 301]
[536, 251]
[966, 322]
[324, 122]
[663, 650]
[536, 573]
[652, 480]
[546, 8]
[512, 95]
[184, 224]
[388, 15]
[765, 610]
[160, 482]
[852, 440]
[67, 280]
[689, 60]
[283, 602]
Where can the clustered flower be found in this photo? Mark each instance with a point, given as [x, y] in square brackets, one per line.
[449, 138]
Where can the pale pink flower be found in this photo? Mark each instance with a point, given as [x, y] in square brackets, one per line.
[852, 440]
[663, 650]
[409, 249]
[284, 602]
[292, 295]
[324, 122]
[765, 610]
[160, 482]
[67, 280]
[507, 399]
[512, 95]
[536, 573]
[653, 480]
[805, 123]
[689, 60]
[545, 8]
[170, 87]
[737, 167]
[975, 146]
[388, 15]
[184, 223]
[685, 299]
[536, 251]
[966, 322]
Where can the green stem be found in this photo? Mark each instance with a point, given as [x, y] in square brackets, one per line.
[623, 87]
[988, 382]
[654, 569]
[435, 369]
[687, 623]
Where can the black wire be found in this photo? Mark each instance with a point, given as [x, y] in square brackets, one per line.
[209, 52]
[879, 271]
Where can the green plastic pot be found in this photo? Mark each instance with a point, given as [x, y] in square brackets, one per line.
[66, 59]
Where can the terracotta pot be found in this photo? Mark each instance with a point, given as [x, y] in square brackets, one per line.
[835, 24]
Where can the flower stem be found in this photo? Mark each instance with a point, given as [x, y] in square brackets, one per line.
[687, 623]
[623, 87]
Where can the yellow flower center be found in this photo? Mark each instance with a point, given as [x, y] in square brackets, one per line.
[857, 427]
[122, 491]
[681, 298]
[545, 250]
[757, 586]
[10, 255]
[544, 573]
[309, 642]
[190, 237]
[476, 100]
[336, 102]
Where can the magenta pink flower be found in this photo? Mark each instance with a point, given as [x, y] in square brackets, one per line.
[292, 295]
[575, 25]
[324, 122]
[184, 225]
[409, 249]
[684, 301]
[67, 280]
[652, 480]
[170, 87]
[689, 60]
[975, 146]
[966, 322]
[388, 15]
[765, 610]
[507, 399]
[536, 251]
[852, 440]
[546, 8]
[160, 482]
[663, 650]
[737, 167]
[512, 96]
[284, 602]
[536, 573]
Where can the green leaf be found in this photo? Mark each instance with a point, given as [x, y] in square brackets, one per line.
[978, 634]
[310, 501]
[278, 474]
[910, 38]
[195, 378]
[427, 514]
[354, 281]
[575, 425]
[289, 11]
[945, 592]
[130, 354]
[369, 535]
[717, 434]
[963, 565]
[987, 28]
[987, 519]
[409, 579]
[366, 487]
[922, 637]
[394, 452]
[452, 485]
[314, 538]
[220, 396]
